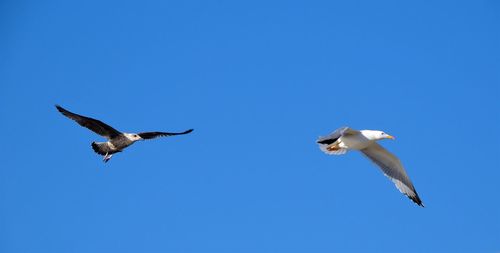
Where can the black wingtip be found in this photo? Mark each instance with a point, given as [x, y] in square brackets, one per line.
[61, 109]
[326, 141]
[417, 200]
[188, 131]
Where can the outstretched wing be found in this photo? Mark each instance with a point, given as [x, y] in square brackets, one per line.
[392, 168]
[152, 135]
[94, 125]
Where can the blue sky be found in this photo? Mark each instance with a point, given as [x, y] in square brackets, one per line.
[259, 81]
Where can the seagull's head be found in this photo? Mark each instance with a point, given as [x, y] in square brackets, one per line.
[376, 135]
[133, 137]
[382, 135]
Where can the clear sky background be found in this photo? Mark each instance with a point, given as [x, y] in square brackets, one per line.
[259, 81]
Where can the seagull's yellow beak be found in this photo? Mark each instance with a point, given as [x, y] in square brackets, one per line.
[391, 137]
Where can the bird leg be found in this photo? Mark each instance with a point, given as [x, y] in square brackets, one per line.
[333, 147]
[106, 158]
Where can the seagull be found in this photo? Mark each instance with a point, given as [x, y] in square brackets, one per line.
[345, 139]
[117, 141]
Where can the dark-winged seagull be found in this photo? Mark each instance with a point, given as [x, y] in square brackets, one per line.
[117, 141]
[345, 138]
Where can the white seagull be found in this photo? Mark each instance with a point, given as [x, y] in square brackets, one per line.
[117, 141]
[345, 138]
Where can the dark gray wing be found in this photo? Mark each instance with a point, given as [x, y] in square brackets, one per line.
[333, 137]
[152, 135]
[94, 125]
[392, 168]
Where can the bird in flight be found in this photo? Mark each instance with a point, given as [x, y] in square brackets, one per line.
[345, 138]
[117, 141]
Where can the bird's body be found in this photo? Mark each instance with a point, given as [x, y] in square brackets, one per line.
[345, 139]
[117, 141]
[358, 141]
[112, 146]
